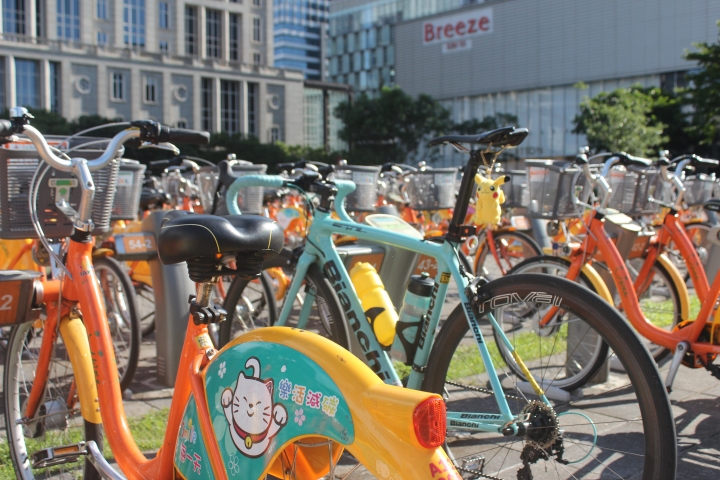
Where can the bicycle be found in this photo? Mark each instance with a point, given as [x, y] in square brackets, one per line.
[393, 432]
[457, 362]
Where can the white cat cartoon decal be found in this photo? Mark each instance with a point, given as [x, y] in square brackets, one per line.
[250, 413]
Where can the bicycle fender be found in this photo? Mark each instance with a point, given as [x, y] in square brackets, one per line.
[102, 252]
[677, 279]
[597, 283]
[75, 338]
[266, 390]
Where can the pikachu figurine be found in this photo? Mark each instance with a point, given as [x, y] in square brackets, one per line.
[489, 199]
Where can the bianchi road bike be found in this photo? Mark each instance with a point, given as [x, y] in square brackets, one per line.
[499, 424]
[276, 401]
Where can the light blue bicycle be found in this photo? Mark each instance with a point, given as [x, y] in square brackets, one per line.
[500, 425]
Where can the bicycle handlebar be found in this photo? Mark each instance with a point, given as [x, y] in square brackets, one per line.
[270, 181]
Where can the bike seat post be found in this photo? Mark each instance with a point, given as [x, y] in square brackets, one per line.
[205, 290]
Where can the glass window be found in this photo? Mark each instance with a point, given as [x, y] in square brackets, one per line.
[357, 61]
[230, 106]
[274, 134]
[151, 89]
[68, 19]
[334, 66]
[385, 35]
[372, 38]
[234, 36]
[256, 29]
[252, 106]
[102, 9]
[207, 104]
[164, 15]
[390, 55]
[367, 59]
[191, 28]
[256, 58]
[118, 86]
[181, 124]
[54, 87]
[256, 3]
[40, 16]
[14, 16]
[351, 43]
[345, 63]
[164, 47]
[340, 44]
[212, 33]
[379, 60]
[134, 22]
[101, 38]
[27, 81]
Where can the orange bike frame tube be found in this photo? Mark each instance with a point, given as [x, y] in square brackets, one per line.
[682, 241]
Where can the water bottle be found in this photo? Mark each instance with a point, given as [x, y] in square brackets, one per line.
[412, 315]
[376, 302]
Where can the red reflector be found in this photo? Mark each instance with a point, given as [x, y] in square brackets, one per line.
[429, 422]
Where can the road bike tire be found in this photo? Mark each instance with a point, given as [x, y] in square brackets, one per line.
[250, 304]
[632, 413]
[123, 318]
[530, 248]
[20, 367]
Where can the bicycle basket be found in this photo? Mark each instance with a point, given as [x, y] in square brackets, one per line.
[18, 163]
[623, 183]
[516, 191]
[364, 197]
[432, 188]
[128, 190]
[250, 199]
[550, 189]
[698, 189]
[650, 184]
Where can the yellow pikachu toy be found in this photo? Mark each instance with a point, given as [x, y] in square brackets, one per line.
[489, 199]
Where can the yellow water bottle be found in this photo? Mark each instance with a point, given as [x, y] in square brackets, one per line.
[378, 307]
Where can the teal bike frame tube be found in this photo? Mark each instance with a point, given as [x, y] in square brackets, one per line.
[270, 181]
[304, 262]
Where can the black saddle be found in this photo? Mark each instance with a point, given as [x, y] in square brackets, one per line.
[501, 137]
[202, 240]
[151, 198]
[712, 205]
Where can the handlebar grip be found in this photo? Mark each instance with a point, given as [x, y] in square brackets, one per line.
[270, 181]
[6, 128]
[181, 135]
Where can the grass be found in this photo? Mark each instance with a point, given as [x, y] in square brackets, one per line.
[148, 431]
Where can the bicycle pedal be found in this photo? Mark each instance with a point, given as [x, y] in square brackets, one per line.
[53, 456]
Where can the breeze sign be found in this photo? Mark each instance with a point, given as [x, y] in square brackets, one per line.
[458, 27]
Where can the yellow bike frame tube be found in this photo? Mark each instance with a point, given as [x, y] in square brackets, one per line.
[677, 279]
[76, 341]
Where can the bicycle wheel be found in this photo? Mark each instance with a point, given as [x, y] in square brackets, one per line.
[512, 247]
[122, 313]
[622, 428]
[250, 304]
[59, 423]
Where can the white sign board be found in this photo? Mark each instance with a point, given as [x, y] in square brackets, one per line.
[457, 27]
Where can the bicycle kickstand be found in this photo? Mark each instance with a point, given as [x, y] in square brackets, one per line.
[680, 351]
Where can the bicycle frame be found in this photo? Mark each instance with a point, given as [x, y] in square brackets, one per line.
[320, 250]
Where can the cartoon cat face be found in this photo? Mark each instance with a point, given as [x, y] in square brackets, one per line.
[487, 186]
[252, 404]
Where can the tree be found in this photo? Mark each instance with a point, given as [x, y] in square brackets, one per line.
[490, 122]
[390, 127]
[704, 93]
[621, 120]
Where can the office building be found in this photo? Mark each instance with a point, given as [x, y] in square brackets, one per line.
[300, 27]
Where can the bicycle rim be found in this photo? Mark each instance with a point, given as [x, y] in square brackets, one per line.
[57, 423]
[620, 428]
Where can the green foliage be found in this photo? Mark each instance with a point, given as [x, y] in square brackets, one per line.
[704, 92]
[490, 122]
[390, 127]
[622, 120]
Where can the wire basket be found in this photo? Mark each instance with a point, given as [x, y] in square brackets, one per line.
[650, 184]
[129, 187]
[364, 198]
[623, 183]
[432, 188]
[551, 188]
[516, 191]
[250, 199]
[18, 163]
[698, 189]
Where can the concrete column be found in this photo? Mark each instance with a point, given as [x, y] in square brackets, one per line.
[225, 36]
[217, 110]
[151, 26]
[11, 87]
[88, 11]
[263, 122]
[167, 88]
[30, 18]
[136, 94]
[66, 86]
[202, 38]
[51, 19]
[118, 41]
[244, 108]
[197, 102]
[45, 84]
[104, 84]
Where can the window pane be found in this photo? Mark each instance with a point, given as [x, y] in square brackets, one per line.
[252, 108]
[207, 104]
[212, 29]
[14, 16]
[134, 22]
[164, 14]
[68, 19]
[230, 106]
[191, 30]
[234, 36]
[27, 81]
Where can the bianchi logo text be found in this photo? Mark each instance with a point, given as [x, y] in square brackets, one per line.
[514, 298]
[481, 416]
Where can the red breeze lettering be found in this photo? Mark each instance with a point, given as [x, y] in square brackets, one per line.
[467, 24]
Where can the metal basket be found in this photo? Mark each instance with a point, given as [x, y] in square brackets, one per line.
[364, 198]
[432, 188]
[623, 184]
[550, 189]
[250, 199]
[18, 163]
[129, 187]
[516, 191]
[698, 189]
[650, 184]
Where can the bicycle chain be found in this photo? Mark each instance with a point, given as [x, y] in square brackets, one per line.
[478, 474]
[485, 390]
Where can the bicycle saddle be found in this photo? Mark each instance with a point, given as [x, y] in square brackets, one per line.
[201, 239]
[151, 198]
[712, 205]
[501, 137]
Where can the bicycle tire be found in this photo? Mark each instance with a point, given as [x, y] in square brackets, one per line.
[503, 238]
[263, 304]
[124, 324]
[596, 359]
[658, 454]
[24, 341]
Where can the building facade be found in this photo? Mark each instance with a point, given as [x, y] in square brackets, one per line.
[361, 50]
[203, 64]
[300, 29]
[539, 60]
